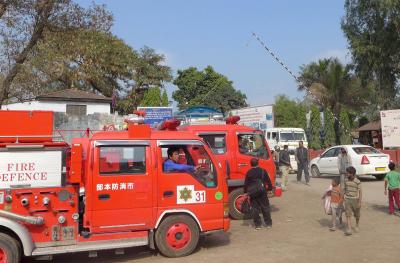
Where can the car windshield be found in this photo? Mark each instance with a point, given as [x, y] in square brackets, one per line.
[365, 150]
[299, 136]
[292, 136]
[286, 136]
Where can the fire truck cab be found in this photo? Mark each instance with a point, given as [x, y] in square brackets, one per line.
[235, 145]
[111, 191]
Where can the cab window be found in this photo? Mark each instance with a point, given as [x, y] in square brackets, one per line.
[216, 142]
[189, 159]
[116, 160]
[253, 145]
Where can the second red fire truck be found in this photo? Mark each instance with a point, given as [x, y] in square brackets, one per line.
[235, 145]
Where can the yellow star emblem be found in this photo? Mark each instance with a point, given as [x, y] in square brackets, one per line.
[185, 194]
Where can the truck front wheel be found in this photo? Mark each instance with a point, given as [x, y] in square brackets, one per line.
[177, 236]
[10, 251]
[236, 198]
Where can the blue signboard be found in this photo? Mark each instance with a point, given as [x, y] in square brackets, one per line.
[156, 115]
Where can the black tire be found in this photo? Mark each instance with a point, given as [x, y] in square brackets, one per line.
[182, 221]
[380, 176]
[233, 210]
[315, 171]
[11, 248]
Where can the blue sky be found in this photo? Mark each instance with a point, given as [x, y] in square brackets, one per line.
[218, 33]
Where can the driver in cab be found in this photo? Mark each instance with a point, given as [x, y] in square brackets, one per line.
[171, 164]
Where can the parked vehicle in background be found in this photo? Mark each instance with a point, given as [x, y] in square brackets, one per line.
[366, 159]
[286, 136]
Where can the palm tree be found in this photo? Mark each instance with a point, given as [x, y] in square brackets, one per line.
[334, 86]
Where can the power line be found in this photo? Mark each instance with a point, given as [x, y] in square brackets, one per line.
[307, 89]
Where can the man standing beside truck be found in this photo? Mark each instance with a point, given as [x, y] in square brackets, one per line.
[284, 166]
[302, 163]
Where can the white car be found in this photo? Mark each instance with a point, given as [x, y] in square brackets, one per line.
[366, 159]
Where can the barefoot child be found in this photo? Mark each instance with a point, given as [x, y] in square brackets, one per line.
[352, 198]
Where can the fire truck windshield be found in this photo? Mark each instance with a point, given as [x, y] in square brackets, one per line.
[253, 144]
[216, 142]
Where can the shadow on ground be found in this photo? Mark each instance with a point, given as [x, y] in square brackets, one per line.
[206, 242]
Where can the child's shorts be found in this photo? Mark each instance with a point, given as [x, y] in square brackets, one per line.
[351, 207]
[336, 209]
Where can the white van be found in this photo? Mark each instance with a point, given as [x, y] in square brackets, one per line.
[286, 136]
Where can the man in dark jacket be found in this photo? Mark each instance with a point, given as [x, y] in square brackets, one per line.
[260, 201]
[302, 162]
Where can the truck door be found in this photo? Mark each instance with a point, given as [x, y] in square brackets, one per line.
[121, 186]
[250, 145]
[187, 179]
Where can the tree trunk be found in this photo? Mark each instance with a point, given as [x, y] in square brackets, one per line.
[336, 124]
[41, 20]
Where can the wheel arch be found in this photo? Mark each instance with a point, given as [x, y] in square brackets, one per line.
[19, 232]
[167, 213]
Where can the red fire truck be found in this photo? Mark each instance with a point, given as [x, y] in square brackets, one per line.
[235, 145]
[106, 192]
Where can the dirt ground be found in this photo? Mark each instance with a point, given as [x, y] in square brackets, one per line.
[299, 234]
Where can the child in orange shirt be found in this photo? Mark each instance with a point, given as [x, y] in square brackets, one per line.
[336, 202]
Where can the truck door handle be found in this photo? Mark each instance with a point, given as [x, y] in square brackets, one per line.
[168, 194]
[242, 164]
[104, 197]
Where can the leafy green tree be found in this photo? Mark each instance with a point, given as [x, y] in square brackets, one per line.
[334, 86]
[345, 135]
[329, 129]
[85, 59]
[152, 98]
[164, 99]
[207, 88]
[315, 128]
[289, 113]
[372, 31]
[149, 71]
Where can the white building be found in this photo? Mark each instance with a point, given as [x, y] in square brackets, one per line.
[69, 101]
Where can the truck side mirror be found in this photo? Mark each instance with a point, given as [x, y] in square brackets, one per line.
[75, 172]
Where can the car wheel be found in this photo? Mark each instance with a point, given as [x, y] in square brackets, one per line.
[315, 171]
[177, 236]
[380, 176]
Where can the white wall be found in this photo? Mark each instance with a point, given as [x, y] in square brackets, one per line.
[58, 106]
